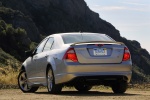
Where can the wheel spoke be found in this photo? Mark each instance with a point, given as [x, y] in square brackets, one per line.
[22, 82]
[23, 76]
[25, 87]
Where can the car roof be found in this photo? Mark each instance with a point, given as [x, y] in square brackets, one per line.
[74, 33]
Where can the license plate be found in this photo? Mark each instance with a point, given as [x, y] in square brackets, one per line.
[100, 51]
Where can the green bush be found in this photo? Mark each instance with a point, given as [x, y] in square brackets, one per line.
[13, 40]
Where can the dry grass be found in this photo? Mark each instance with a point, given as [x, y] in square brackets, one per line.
[143, 86]
[9, 79]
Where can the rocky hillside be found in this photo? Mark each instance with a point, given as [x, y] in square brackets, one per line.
[40, 18]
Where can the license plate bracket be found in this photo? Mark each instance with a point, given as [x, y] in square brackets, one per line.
[100, 51]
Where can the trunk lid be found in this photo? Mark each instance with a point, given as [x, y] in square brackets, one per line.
[99, 52]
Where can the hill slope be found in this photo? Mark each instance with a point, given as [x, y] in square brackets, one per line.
[44, 17]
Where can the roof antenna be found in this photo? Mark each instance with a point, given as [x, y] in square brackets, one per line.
[80, 32]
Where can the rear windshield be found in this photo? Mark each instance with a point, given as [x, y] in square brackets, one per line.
[85, 37]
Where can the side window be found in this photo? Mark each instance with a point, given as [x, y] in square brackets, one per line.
[49, 44]
[40, 47]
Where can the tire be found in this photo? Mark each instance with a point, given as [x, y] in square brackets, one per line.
[82, 87]
[23, 83]
[120, 87]
[51, 86]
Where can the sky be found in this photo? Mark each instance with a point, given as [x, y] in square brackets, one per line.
[130, 17]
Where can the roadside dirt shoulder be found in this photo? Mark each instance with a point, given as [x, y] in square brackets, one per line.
[67, 94]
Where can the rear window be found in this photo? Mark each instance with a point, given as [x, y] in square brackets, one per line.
[85, 37]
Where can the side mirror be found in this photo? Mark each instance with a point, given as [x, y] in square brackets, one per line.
[28, 53]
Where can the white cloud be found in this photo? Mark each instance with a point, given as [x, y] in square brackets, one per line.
[107, 8]
[135, 3]
[112, 8]
[116, 8]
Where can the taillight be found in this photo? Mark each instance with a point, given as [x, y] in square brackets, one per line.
[126, 55]
[71, 55]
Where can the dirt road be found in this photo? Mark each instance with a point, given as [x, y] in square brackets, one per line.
[70, 94]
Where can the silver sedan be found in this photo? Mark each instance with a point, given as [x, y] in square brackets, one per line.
[81, 60]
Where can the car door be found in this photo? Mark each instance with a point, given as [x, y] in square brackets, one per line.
[41, 63]
[32, 70]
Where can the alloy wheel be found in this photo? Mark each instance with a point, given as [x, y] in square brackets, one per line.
[50, 80]
[23, 82]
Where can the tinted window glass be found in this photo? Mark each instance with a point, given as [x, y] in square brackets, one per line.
[49, 44]
[40, 47]
[72, 38]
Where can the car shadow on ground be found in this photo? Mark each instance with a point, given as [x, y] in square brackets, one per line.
[89, 93]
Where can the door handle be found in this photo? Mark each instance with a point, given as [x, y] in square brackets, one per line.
[35, 57]
[46, 56]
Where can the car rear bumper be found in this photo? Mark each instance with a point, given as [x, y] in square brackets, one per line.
[72, 71]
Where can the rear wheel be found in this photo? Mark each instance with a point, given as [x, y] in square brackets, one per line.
[51, 86]
[23, 83]
[82, 87]
[120, 87]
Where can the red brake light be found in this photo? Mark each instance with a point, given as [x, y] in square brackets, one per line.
[126, 55]
[71, 55]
